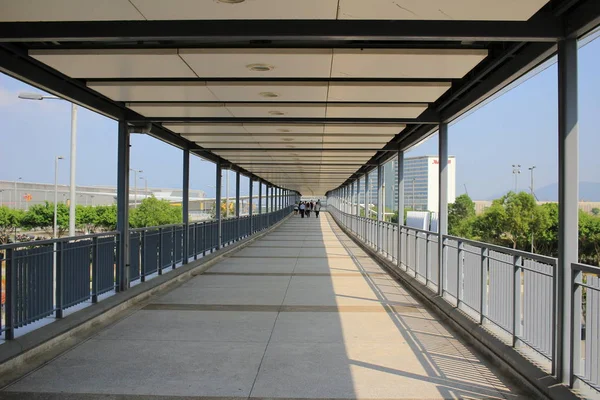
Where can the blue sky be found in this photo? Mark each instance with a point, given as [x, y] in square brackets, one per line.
[519, 127]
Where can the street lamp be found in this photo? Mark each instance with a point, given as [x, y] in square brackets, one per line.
[55, 230]
[39, 96]
[531, 170]
[516, 171]
[135, 178]
[145, 186]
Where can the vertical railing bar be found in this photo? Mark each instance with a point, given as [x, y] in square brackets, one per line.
[95, 270]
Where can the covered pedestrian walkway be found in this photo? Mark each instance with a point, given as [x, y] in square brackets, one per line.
[303, 312]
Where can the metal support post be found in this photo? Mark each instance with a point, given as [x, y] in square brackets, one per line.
[380, 205]
[251, 204]
[186, 205]
[237, 204]
[367, 195]
[260, 200]
[218, 206]
[568, 197]
[400, 189]
[351, 211]
[122, 278]
[442, 202]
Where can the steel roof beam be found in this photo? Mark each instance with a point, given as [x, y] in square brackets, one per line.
[543, 27]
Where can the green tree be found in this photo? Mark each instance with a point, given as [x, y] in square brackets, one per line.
[86, 217]
[511, 220]
[461, 216]
[154, 212]
[589, 238]
[106, 217]
[41, 216]
[10, 219]
[596, 211]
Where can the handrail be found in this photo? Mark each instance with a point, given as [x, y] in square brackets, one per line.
[56, 240]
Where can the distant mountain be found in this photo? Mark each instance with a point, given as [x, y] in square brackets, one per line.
[588, 191]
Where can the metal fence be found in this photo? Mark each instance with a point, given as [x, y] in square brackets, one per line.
[586, 326]
[44, 278]
[511, 293]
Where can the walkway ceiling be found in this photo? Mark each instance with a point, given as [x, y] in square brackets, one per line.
[304, 94]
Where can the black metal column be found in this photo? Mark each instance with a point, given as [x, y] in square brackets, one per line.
[186, 205]
[122, 277]
[218, 206]
[237, 203]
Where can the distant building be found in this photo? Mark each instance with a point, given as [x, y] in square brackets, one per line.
[25, 194]
[420, 183]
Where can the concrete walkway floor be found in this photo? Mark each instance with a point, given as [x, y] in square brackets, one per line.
[301, 313]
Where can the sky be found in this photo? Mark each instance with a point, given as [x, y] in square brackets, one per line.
[519, 127]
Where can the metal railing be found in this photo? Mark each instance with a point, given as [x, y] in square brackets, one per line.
[46, 277]
[509, 292]
[585, 312]
[43, 278]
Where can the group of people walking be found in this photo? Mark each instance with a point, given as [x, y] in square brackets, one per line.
[305, 208]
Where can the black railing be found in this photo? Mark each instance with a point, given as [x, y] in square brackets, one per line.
[43, 278]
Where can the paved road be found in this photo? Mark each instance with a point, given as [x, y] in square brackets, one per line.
[300, 313]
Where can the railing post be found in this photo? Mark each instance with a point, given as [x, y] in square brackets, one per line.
[400, 189]
[11, 294]
[94, 270]
[204, 239]
[59, 280]
[160, 250]
[516, 328]
[459, 272]
[144, 257]
[485, 261]
[576, 306]
[174, 247]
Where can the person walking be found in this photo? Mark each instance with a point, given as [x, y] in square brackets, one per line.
[307, 210]
[302, 209]
[317, 208]
[295, 208]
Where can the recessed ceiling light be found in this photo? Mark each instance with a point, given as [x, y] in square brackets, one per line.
[276, 113]
[268, 94]
[288, 140]
[260, 67]
[283, 130]
[231, 1]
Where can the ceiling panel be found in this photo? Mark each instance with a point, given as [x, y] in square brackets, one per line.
[365, 129]
[375, 110]
[491, 10]
[154, 91]
[287, 128]
[129, 63]
[191, 128]
[254, 9]
[376, 140]
[404, 63]
[67, 10]
[269, 91]
[416, 92]
[298, 110]
[249, 63]
[184, 110]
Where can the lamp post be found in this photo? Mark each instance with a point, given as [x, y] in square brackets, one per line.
[135, 179]
[531, 171]
[516, 171]
[73, 157]
[55, 225]
[145, 186]
[16, 195]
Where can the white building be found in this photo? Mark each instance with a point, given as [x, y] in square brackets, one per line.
[421, 179]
